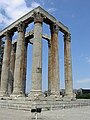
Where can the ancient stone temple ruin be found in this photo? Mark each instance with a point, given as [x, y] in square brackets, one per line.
[13, 74]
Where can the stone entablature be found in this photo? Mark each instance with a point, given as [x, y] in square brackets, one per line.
[28, 18]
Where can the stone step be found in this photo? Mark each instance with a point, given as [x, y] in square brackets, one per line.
[45, 105]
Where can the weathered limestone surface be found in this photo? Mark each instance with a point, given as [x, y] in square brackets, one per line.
[0, 64]
[6, 65]
[25, 66]
[37, 56]
[68, 66]
[54, 62]
[11, 71]
[19, 81]
[1, 57]
[49, 68]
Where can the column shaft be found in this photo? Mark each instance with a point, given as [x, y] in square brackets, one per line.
[37, 55]
[49, 68]
[25, 66]
[55, 83]
[19, 81]
[68, 66]
[11, 72]
[1, 57]
[6, 65]
[0, 62]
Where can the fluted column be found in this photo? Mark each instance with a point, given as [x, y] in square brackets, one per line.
[19, 80]
[37, 56]
[25, 66]
[0, 62]
[6, 64]
[49, 67]
[68, 65]
[11, 71]
[1, 57]
[0, 42]
[54, 62]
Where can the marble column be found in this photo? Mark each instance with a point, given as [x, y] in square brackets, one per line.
[25, 66]
[19, 81]
[6, 65]
[1, 57]
[54, 62]
[0, 62]
[49, 67]
[68, 65]
[0, 42]
[11, 71]
[37, 56]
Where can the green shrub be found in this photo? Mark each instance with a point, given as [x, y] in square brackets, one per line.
[83, 96]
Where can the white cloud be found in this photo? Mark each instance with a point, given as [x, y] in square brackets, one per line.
[14, 9]
[42, 2]
[1, 18]
[34, 4]
[73, 16]
[83, 81]
[51, 10]
[52, 3]
[87, 59]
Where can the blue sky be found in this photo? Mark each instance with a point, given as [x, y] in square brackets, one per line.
[72, 13]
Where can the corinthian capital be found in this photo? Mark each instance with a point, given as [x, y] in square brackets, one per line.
[67, 37]
[8, 35]
[21, 27]
[38, 18]
[54, 28]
